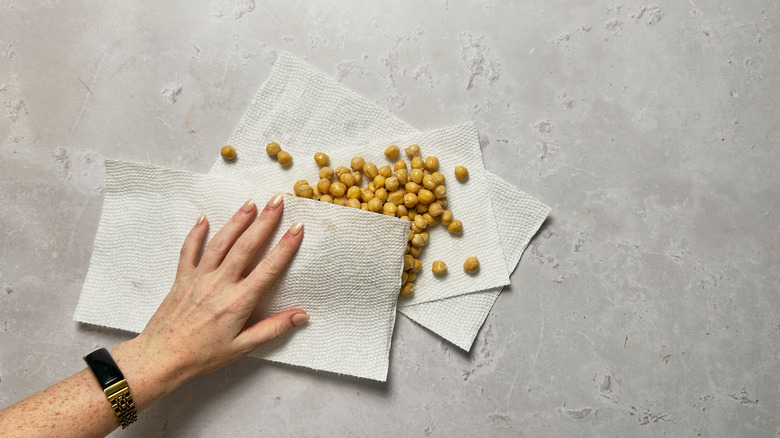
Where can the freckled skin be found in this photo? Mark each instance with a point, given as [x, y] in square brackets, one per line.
[198, 328]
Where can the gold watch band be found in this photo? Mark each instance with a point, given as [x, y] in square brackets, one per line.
[122, 402]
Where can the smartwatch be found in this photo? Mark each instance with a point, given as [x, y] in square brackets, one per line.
[114, 385]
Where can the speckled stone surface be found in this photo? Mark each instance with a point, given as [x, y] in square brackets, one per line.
[646, 305]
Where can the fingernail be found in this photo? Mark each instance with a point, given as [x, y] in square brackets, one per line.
[296, 228]
[299, 318]
[200, 218]
[275, 201]
[248, 205]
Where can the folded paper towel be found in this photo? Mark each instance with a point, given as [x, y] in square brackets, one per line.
[147, 212]
[307, 110]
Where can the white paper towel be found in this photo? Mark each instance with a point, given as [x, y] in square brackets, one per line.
[300, 105]
[148, 211]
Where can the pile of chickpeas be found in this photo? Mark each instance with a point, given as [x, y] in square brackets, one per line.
[415, 193]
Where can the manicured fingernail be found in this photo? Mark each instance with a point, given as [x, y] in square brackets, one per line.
[275, 201]
[299, 318]
[248, 205]
[296, 228]
[200, 218]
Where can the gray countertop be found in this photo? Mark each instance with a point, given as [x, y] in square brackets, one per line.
[645, 306]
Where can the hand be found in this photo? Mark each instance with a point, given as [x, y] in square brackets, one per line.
[201, 324]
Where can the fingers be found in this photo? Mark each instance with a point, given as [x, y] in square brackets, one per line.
[243, 252]
[271, 328]
[188, 257]
[261, 278]
[221, 243]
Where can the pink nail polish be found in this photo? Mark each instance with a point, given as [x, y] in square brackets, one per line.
[275, 201]
[299, 318]
[248, 205]
[296, 228]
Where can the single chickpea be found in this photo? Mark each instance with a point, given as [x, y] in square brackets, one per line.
[227, 152]
[402, 176]
[379, 181]
[408, 262]
[316, 192]
[340, 200]
[321, 159]
[407, 290]
[354, 203]
[429, 220]
[366, 195]
[412, 187]
[396, 197]
[389, 209]
[471, 265]
[341, 170]
[455, 227]
[435, 209]
[417, 265]
[406, 218]
[432, 163]
[412, 150]
[438, 177]
[374, 204]
[404, 278]
[402, 211]
[386, 171]
[412, 214]
[305, 192]
[410, 200]
[391, 184]
[443, 202]
[420, 222]
[417, 163]
[391, 152]
[439, 267]
[426, 197]
[421, 208]
[416, 175]
[370, 170]
[461, 173]
[417, 240]
[412, 275]
[358, 177]
[446, 217]
[326, 173]
[440, 192]
[347, 179]
[357, 163]
[353, 192]
[429, 182]
[285, 159]
[411, 234]
[273, 148]
[381, 194]
[323, 185]
[399, 165]
[364, 206]
[371, 186]
[425, 235]
[300, 182]
[415, 228]
[415, 251]
[337, 189]
[326, 198]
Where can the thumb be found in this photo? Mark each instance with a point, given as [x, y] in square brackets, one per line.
[273, 327]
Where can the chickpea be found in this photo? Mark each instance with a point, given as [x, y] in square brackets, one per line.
[385, 171]
[461, 173]
[381, 194]
[391, 184]
[429, 220]
[326, 173]
[412, 150]
[438, 177]
[455, 227]
[440, 192]
[315, 192]
[413, 214]
[426, 197]
[402, 176]
[353, 192]
[417, 163]
[409, 238]
[422, 208]
[439, 267]
[429, 182]
[399, 165]
[435, 209]
[285, 159]
[416, 175]
[446, 217]
[341, 170]
[408, 262]
[300, 182]
[406, 218]
[443, 202]
[357, 163]
[432, 163]
[366, 195]
[415, 251]
[396, 197]
[358, 177]
[374, 205]
[354, 203]
[321, 159]
[420, 222]
[371, 186]
[404, 278]
[273, 148]
[417, 265]
[391, 152]
[364, 206]
[412, 276]
[370, 170]
[389, 209]
[305, 192]
[471, 265]
[379, 181]
[410, 200]
[323, 185]
[412, 187]
[425, 235]
[326, 198]
[407, 290]
[347, 179]
[417, 240]
[415, 228]
[402, 211]
[340, 200]
[337, 189]
[227, 152]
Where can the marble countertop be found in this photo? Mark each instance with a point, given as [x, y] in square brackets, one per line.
[645, 306]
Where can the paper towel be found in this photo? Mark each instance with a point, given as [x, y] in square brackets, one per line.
[149, 210]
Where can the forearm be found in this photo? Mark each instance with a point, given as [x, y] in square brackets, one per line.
[77, 406]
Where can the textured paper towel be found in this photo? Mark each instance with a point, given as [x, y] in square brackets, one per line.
[300, 105]
[517, 224]
[147, 212]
